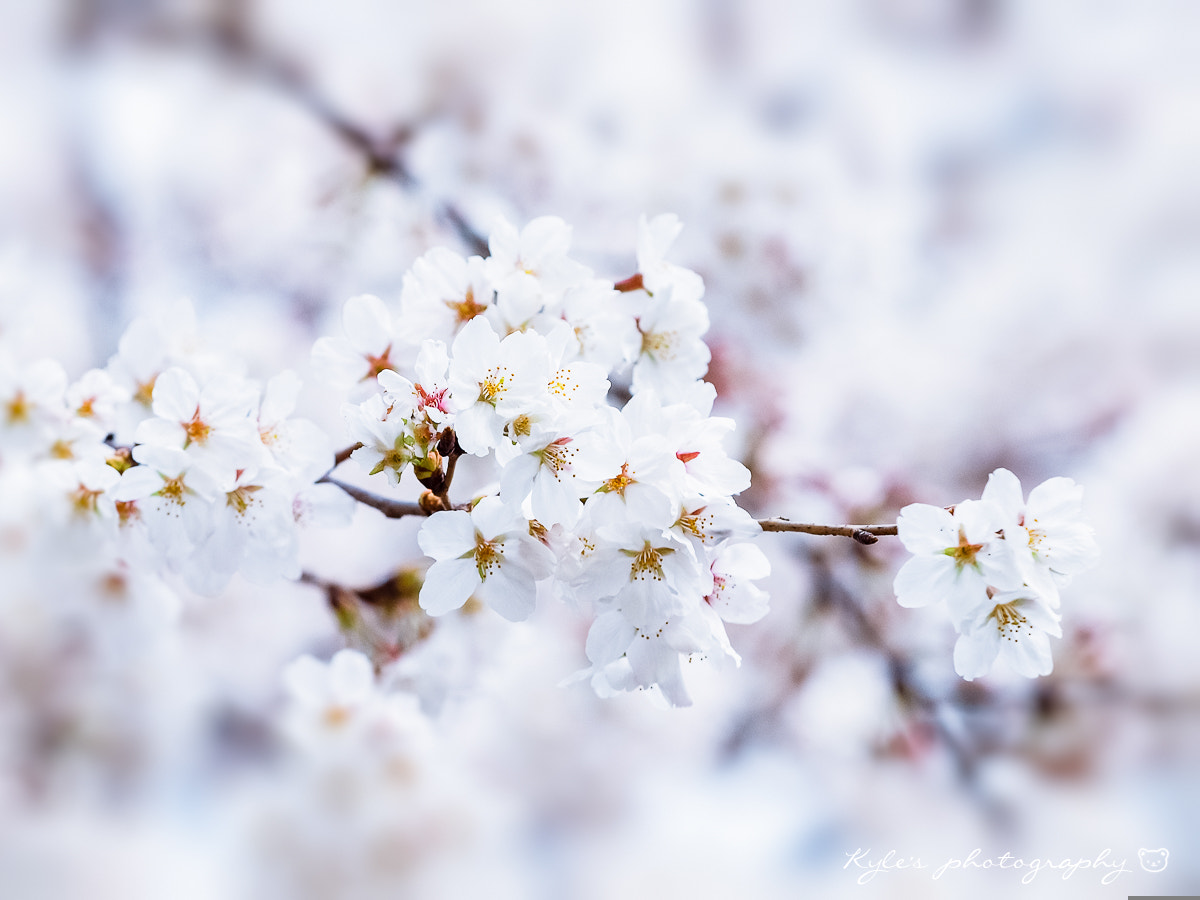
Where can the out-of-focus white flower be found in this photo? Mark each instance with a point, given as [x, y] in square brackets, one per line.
[213, 424]
[654, 239]
[372, 343]
[530, 268]
[31, 402]
[442, 292]
[327, 696]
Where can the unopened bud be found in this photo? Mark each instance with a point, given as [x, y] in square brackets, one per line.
[430, 503]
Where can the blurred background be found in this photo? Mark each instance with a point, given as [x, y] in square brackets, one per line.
[938, 237]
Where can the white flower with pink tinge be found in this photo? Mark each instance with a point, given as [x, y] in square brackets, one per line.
[494, 381]
[1014, 627]
[694, 437]
[544, 472]
[429, 396]
[487, 552]
[734, 597]
[1050, 541]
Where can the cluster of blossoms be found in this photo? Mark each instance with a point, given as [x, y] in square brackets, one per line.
[627, 512]
[166, 460]
[997, 564]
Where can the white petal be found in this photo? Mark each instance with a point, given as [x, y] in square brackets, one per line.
[448, 534]
[351, 676]
[448, 585]
[609, 637]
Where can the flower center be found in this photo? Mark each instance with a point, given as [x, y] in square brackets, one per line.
[647, 562]
[18, 409]
[85, 500]
[659, 344]
[241, 498]
[1009, 622]
[173, 490]
[145, 391]
[488, 556]
[467, 308]
[964, 553]
[556, 456]
[196, 429]
[618, 483]
[377, 364]
[494, 385]
[693, 523]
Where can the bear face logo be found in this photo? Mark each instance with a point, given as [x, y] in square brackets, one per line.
[1153, 860]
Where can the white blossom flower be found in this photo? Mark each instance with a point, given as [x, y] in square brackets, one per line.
[637, 473]
[957, 556]
[493, 381]
[487, 552]
[1050, 541]
[531, 267]
[31, 403]
[734, 598]
[215, 423]
[372, 344]
[442, 292]
[673, 353]
[655, 237]
[388, 443]
[173, 498]
[1015, 627]
[328, 697]
[297, 446]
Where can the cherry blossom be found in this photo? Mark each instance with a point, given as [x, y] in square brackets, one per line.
[488, 552]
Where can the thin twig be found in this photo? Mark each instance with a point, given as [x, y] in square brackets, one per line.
[342, 455]
[393, 509]
[232, 40]
[864, 534]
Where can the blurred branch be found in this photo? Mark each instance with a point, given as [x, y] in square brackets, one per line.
[229, 35]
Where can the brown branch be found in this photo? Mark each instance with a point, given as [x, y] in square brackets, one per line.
[393, 509]
[864, 534]
[230, 38]
[342, 455]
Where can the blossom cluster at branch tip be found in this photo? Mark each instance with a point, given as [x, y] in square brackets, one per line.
[996, 565]
[626, 511]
